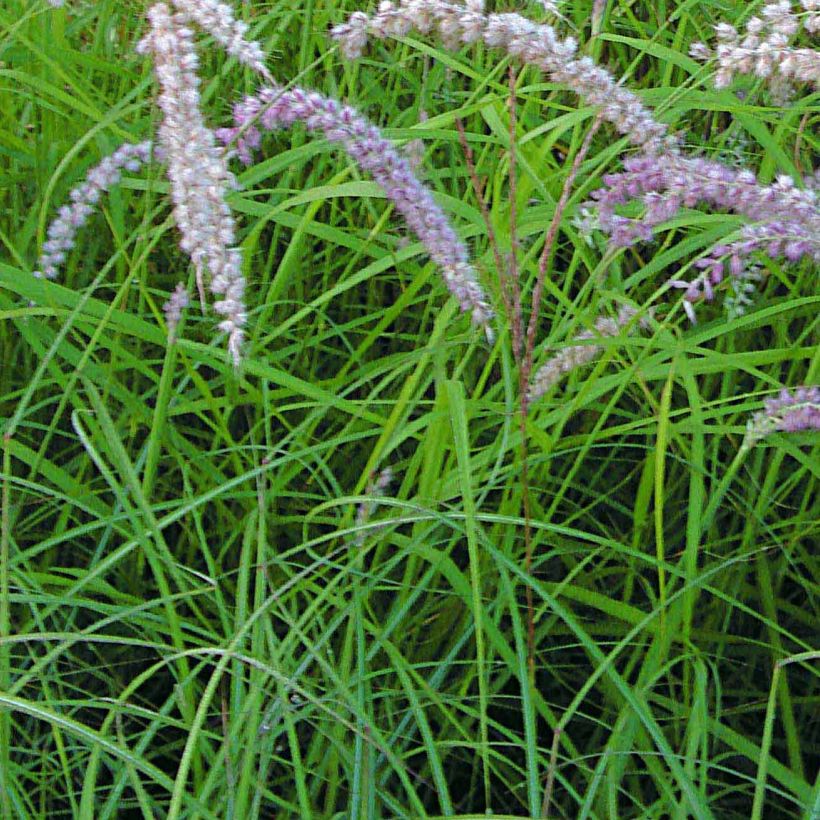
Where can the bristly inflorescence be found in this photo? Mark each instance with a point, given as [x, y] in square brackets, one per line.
[220, 22]
[197, 165]
[200, 179]
[533, 43]
[62, 232]
[789, 412]
[584, 350]
[197, 170]
[276, 107]
[785, 219]
[218, 19]
[173, 308]
[765, 50]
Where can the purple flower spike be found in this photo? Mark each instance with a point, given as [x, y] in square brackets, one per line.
[789, 412]
[585, 350]
[177, 302]
[70, 218]
[786, 219]
[532, 43]
[219, 21]
[275, 107]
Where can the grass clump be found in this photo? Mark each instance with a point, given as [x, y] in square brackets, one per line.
[376, 562]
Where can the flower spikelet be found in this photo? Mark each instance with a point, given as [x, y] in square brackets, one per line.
[764, 50]
[275, 107]
[197, 170]
[102, 177]
[784, 219]
[811, 19]
[790, 411]
[219, 21]
[177, 302]
[533, 43]
[577, 355]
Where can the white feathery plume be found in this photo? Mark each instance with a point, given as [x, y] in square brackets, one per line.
[197, 170]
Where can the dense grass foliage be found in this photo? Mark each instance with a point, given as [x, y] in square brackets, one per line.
[197, 620]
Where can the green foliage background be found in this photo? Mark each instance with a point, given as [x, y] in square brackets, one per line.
[192, 621]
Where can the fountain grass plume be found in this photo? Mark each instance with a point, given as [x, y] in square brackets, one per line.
[811, 16]
[62, 232]
[784, 219]
[197, 171]
[533, 43]
[764, 49]
[219, 21]
[173, 308]
[584, 350]
[276, 107]
[787, 221]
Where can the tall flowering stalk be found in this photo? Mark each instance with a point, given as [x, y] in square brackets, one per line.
[787, 221]
[220, 22]
[197, 165]
[276, 107]
[585, 349]
[197, 170]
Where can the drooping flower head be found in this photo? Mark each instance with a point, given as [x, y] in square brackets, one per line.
[533, 43]
[784, 220]
[219, 20]
[197, 170]
[764, 48]
[277, 107]
[62, 232]
[583, 351]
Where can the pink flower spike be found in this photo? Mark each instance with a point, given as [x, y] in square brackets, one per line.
[790, 412]
[532, 43]
[197, 171]
[70, 218]
[276, 107]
